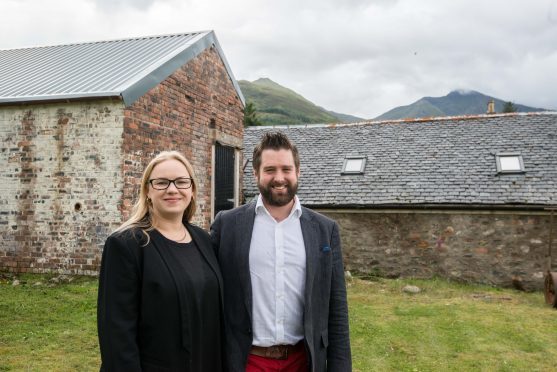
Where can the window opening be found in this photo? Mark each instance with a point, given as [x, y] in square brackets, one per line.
[354, 165]
[509, 163]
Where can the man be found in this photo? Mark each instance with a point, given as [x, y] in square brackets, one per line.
[284, 291]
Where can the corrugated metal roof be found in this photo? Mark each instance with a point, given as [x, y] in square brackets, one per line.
[127, 68]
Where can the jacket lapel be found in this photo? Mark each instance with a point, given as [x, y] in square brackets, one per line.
[310, 233]
[244, 229]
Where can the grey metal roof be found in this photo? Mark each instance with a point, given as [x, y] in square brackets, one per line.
[125, 68]
[438, 161]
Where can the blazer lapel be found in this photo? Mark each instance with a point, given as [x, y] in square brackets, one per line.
[244, 229]
[310, 233]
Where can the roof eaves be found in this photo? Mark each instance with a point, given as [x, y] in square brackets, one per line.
[437, 206]
[58, 97]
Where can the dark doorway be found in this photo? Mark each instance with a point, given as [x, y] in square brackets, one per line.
[224, 177]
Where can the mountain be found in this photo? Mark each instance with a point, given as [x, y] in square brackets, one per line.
[345, 118]
[458, 102]
[278, 105]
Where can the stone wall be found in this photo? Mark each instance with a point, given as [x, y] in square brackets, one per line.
[70, 171]
[505, 248]
[61, 184]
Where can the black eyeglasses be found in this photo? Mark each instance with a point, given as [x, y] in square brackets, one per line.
[163, 183]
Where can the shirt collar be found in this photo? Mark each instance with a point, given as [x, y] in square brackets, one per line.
[296, 210]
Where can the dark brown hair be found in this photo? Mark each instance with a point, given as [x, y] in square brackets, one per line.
[274, 141]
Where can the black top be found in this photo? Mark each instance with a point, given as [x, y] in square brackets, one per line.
[203, 306]
[153, 311]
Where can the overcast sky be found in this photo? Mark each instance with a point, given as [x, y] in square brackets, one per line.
[351, 56]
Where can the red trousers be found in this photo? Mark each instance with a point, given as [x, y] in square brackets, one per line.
[296, 362]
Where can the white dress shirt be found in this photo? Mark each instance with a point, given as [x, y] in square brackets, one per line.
[277, 262]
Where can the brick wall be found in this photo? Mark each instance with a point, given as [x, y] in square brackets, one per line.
[507, 249]
[187, 112]
[61, 184]
[70, 171]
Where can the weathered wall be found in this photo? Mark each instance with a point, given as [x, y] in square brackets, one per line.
[70, 172]
[506, 249]
[188, 112]
[61, 184]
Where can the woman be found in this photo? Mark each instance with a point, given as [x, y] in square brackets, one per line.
[160, 289]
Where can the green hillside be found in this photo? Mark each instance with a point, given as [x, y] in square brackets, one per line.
[277, 105]
[418, 109]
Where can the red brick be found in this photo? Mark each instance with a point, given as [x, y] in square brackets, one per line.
[52, 234]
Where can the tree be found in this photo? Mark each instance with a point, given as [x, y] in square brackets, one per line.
[509, 107]
[250, 115]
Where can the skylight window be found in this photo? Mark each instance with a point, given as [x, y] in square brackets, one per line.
[509, 163]
[354, 165]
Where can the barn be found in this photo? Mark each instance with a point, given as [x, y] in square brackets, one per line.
[79, 122]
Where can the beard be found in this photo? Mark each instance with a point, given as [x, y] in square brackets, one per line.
[274, 199]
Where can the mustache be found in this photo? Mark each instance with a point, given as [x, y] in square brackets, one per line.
[284, 183]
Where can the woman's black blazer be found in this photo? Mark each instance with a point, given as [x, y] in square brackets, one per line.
[141, 303]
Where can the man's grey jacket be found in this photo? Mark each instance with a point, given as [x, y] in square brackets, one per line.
[326, 312]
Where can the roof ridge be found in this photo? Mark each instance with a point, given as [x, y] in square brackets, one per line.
[110, 40]
[460, 117]
[405, 121]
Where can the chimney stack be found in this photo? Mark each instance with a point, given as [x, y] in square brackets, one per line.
[491, 107]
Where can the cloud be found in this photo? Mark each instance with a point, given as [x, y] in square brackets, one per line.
[354, 56]
[111, 5]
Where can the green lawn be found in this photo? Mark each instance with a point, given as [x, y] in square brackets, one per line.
[48, 328]
[446, 327]
[450, 327]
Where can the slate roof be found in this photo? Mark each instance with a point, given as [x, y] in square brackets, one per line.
[423, 162]
[125, 68]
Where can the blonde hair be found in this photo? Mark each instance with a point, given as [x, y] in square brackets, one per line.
[141, 216]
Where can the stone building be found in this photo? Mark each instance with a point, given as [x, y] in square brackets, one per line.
[78, 124]
[465, 198]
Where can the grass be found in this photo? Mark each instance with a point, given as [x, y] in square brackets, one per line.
[46, 328]
[449, 327]
[446, 327]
